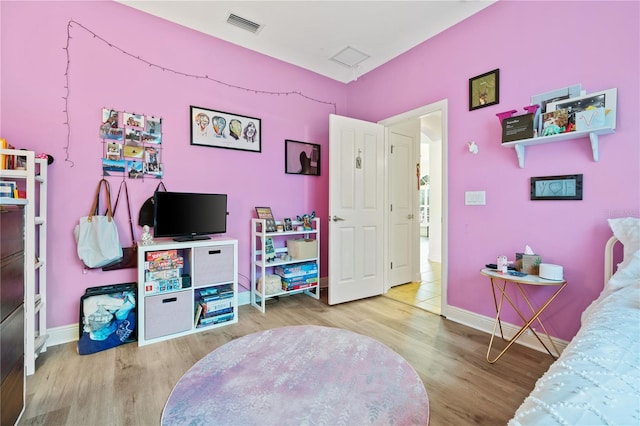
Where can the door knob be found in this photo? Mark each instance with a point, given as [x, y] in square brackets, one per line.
[336, 218]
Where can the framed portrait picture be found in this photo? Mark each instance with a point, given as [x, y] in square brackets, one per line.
[604, 101]
[224, 130]
[288, 224]
[484, 90]
[301, 158]
[566, 187]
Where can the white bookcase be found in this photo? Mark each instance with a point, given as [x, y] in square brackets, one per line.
[190, 287]
[261, 266]
[31, 177]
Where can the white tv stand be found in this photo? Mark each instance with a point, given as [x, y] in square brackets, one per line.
[171, 292]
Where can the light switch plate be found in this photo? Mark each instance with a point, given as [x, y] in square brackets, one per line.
[475, 198]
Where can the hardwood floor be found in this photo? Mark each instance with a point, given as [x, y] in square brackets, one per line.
[128, 385]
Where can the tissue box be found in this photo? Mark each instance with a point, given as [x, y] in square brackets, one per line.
[302, 248]
[528, 263]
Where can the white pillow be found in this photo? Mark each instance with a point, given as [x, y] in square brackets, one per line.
[627, 275]
[627, 230]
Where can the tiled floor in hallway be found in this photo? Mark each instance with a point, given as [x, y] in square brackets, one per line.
[426, 294]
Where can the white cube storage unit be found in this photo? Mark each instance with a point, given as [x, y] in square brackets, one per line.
[186, 287]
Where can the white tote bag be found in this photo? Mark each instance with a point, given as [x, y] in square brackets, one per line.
[97, 236]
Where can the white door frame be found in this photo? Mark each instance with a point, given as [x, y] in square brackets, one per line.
[416, 114]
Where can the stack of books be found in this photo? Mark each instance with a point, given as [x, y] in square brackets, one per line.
[213, 305]
[162, 271]
[298, 276]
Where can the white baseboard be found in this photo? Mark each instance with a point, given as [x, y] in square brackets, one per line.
[483, 323]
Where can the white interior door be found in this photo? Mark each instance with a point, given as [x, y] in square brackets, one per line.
[403, 189]
[356, 209]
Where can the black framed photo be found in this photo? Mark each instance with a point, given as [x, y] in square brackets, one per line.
[301, 158]
[225, 130]
[484, 90]
[288, 224]
[566, 187]
[266, 214]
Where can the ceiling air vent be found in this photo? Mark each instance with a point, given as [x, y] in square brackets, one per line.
[243, 23]
[349, 57]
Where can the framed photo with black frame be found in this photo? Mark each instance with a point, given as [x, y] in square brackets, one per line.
[301, 158]
[484, 90]
[566, 187]
[219, 129]
[266, 214]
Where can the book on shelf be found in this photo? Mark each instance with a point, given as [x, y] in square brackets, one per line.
[216, 320]
[198, 313]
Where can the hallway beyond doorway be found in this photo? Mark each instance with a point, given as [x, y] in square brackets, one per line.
[427, 293]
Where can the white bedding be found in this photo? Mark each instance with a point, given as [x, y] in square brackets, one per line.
[596, 380]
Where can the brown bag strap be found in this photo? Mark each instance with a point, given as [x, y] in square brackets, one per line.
[96, 200]
[123, 184]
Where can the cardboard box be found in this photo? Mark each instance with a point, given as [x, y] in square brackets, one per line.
[302, 248]
[528, 263]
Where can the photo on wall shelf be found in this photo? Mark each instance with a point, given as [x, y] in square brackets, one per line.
[606, 99]
[543, 99]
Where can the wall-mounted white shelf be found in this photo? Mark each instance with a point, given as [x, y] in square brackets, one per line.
[520, 145]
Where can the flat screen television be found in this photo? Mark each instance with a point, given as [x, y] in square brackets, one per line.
[186, 216]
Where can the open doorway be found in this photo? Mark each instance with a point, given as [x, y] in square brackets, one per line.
[429, 292]
[428, 284]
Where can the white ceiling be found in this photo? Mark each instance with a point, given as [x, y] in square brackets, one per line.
[309, 33]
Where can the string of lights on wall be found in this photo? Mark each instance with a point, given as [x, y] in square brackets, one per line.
[67, 122]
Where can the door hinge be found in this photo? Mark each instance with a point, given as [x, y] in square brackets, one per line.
[390, 207]
[391, 265]
[392, 149]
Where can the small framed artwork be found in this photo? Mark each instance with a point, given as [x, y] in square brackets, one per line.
[301, 158]
[265, 213]
[269, 249]
[288, 224]
[566, 187]
[224, 130]
[484, 90]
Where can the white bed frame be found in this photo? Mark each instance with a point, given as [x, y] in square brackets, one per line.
[608, 258]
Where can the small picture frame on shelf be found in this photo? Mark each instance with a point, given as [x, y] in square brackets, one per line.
[269, 250]
[288, 224]
[265, 213]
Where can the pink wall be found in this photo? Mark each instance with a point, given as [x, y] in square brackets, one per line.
[538, 47]
[579, 51]
[33, 86]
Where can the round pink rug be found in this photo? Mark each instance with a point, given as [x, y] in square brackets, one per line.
[299, 375]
